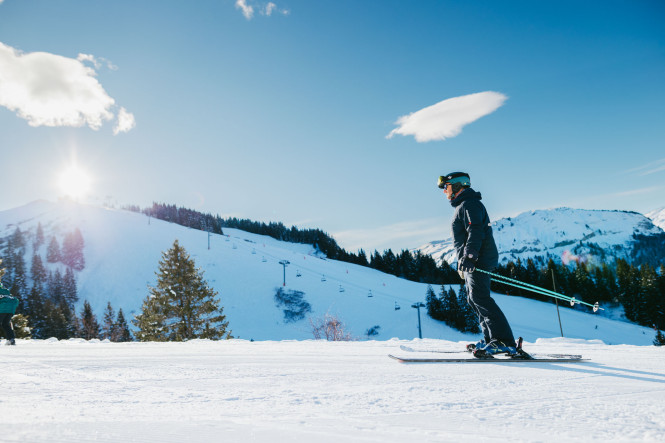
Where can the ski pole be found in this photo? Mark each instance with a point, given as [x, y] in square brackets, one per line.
[538, 290]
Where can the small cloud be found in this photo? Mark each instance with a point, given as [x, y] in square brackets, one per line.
[649, 168]
[125, 123]
[247, 7]
[51, 90]
[637, 191]
[247, 11]
[447, 118]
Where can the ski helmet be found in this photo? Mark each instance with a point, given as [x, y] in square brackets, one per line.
[455, 177]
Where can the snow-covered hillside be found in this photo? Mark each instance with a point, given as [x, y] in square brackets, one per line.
[658, 217]
[324, 392]
[122, 251]
[563, 234]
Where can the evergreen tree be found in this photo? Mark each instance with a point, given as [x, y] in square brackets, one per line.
[182, 306]
[53, 251]
[660, 338]
[433, 303]
[450, 307]
[56, 289]
[122, 333]
[39, 236]
[468, 317]
[109, 327]
[89, 325]
[69, 291]
[72, 250]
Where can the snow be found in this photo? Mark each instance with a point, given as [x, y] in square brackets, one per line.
[303, 391]
[557, 232]
[658, 217]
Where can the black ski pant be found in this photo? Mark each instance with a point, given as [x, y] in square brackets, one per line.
[6, 322]
[493, 323]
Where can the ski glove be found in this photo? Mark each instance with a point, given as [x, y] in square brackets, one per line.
[468, 263]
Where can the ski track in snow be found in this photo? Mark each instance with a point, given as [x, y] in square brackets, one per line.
[301, 391]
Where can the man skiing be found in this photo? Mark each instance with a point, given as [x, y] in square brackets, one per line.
[8, 306]
[475, 248]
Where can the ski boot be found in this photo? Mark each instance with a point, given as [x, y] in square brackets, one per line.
[520, 354]
[472, 346]
[495, 347]
[10, 342]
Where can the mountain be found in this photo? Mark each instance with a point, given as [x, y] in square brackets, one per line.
[569, 234]
[122, 250]
[658, 217]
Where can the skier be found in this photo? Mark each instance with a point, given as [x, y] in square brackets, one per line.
[8, 306]
[475, 247]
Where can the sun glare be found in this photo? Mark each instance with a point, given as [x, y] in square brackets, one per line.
[74, 182]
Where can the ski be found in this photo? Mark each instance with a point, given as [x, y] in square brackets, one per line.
[533, 359]
[539, 356]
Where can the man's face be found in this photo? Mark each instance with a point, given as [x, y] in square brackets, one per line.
[448, 191]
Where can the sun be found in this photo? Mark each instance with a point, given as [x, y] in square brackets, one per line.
[74, 182]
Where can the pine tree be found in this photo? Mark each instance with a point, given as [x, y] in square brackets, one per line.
[450, 307]
[72, 250]
[89, 325]
[69, 291]
[39, 236]
[434, 308]
[122, 333]
[660, 338]
[468, 317]
[53, 251]
[182, 306]
[108, 329]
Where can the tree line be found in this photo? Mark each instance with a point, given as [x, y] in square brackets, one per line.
[640, 289]
[47, 298]
[411, 266]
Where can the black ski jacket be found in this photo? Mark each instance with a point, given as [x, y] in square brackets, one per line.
[472, 230]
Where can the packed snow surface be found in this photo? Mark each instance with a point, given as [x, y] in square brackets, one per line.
[306, 391]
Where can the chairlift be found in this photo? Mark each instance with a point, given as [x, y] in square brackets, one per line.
[397, 307]
[369, 294]
[298, 274]
[341, 289]
[254, 251]
[323, 278]
[235, 246]
[264, 260]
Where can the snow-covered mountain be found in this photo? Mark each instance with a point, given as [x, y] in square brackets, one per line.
[122, 251]
[569, 234]
[658, 217]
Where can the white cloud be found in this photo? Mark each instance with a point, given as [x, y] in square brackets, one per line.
[247, 7]
[125, 123]
[51, 90]
[447, 118]
[247, 11]
[649, 168]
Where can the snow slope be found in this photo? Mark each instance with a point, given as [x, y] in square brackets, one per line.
[562, 233]
[306, 391]
[658, 217]
[122, 250]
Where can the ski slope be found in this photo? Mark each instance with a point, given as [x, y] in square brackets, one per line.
[122, 251]
[305, 391]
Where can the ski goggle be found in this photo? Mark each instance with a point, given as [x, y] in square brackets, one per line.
[444, 182]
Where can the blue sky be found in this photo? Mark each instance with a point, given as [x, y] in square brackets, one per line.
[339, 115]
